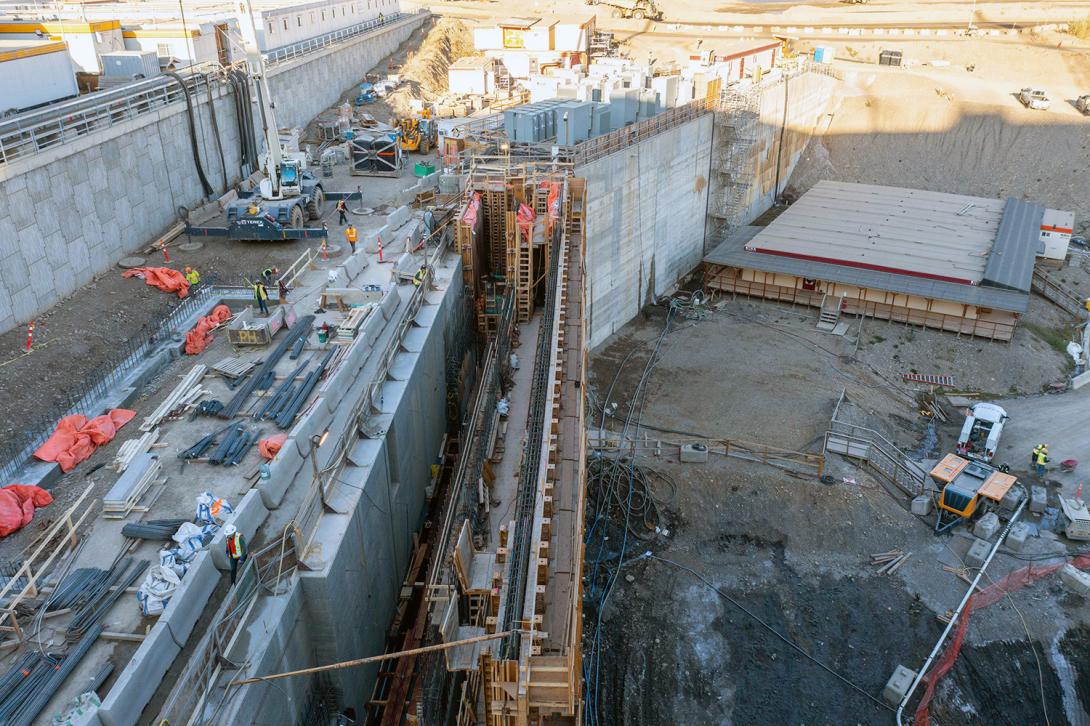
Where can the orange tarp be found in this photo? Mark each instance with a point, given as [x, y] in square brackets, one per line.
[76, 438]
[164, 278]
[197, 340]
[17, 505]
[270, 447]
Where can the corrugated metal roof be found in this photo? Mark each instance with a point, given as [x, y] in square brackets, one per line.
[733, 253]
[1010, 264]
[932, 235]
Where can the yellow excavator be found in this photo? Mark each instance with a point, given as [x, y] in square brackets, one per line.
[418, 133]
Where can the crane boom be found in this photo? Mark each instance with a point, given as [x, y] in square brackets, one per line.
[256, 64]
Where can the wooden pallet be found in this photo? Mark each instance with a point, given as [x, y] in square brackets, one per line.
[235, 368]
[347, 329]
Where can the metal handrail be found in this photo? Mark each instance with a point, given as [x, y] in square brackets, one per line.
[310, 45]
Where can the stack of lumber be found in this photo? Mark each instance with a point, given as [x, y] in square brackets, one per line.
[133, 448]
[131, 486]
[889, 561]
[348, 327]
[186, 392]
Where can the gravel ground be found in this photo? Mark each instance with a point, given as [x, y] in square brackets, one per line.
[795, 552]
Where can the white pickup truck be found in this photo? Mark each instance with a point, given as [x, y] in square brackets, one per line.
[979, 437]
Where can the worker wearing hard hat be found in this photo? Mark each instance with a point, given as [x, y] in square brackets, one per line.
[261, 297]
[418, 278]
[236, 549]
[192, 276]
[1042, 461]
[1033, 456]
[351, 236]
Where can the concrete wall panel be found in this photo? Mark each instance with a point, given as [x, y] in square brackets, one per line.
[645, 221]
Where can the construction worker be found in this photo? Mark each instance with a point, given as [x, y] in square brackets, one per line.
[236, 549]
[342, 209]
[1036, 451]
[261, 296]
[351, 235]
[418, 278]
[268, 274]
[282, 290]
[192, 276]
[1042, 461]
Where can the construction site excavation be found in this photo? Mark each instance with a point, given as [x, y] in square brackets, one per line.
[595, 362]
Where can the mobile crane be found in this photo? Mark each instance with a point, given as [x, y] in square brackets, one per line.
[289, 194]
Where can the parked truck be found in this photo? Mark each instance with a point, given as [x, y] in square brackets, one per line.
[979, 437]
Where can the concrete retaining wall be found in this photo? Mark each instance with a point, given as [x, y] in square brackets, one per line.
[739, 197]
[646, 207]
[71, 212]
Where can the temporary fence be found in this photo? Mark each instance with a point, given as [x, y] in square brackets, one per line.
[990, 595]
[126, 356]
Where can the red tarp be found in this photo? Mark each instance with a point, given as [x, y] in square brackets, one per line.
[197, 340]
[164, 278]
[76, 438]
[17, 505]
[270, 447]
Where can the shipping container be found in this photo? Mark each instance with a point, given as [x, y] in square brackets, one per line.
[34, 73]
[130, 64]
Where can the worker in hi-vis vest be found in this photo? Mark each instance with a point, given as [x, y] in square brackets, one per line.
[236, 549]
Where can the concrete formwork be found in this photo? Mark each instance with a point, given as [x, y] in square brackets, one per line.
[646, 207]
[69, 213]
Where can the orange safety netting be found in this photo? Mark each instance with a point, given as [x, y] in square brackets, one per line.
[197, 340]
[988, 596]
[76, 438]
[270, 447]
[17, 505]
[164, 278]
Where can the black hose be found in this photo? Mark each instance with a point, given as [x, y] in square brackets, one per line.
[208, 189]
[216, 133]
[242, 114]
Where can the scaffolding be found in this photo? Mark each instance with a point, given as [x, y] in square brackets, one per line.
[737, 118]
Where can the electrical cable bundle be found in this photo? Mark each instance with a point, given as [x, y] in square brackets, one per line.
[620, 495]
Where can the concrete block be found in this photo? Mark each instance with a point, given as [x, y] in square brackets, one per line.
[921, 505]
[398, 217]
[694, 454]
[1016, 538]
[138, 682]
[371, 239]
[282, 471]
[1075, 580]
[452, 183]
[390, 302]
[978, 552]
[191, 598]
[1038, 499]
[248, 516]
[354, 265]
[987, 526]
[1014, 496]
[898, 684]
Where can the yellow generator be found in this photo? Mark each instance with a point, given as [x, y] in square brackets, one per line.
[967, 488]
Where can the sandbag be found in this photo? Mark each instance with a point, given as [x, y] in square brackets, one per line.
[76, 438]
[17, 505]
[200, 337]
[164, 278]
[270, 447]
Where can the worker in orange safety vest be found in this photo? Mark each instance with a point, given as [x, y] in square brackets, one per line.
[351, 235]
[236, 549]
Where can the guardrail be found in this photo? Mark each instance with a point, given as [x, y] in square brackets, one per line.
[860, 442]
[310, 45]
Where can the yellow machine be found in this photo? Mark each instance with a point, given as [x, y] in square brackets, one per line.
[965, 484]
[418, 133]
